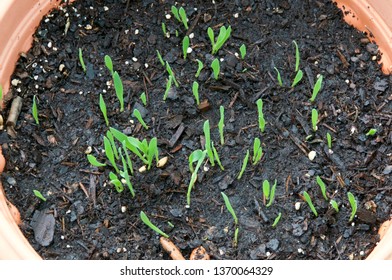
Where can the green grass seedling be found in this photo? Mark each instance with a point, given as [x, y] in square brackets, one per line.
[116, 182]
[216, 156]
[184, 18]
[93, 161]
[231, 211]
[34, 110]
[207, 137]
[168, 87]
[128, 158]
[221, 124]
[316, 88]
[195, 91]
[160, 58]
[109, 64]
[194, 177]
[371, 132]
[102, 106]
[109, 153]
[143, 98]
[268, 192]
[124, 173]
[152, 152]
[322, 187]
[297, 78]
[195, 156]
[297, 56]
[215, 65]
[243, 51]
[174, 11]
[259, 104]
[310, 203]
[164, 30]
[185, 46]
[81, 60]
[109, 135]
[329, 141]
[38, 194]
[244, 164]
[278, 77]
[200, 66]
[353, 204]
[334, 205]
[257, 151]
[137, 114]
[1, 93]
[314, 119]
[119, 89]
[170, 71]
[277, 219]
[147, 222]
[224, 34]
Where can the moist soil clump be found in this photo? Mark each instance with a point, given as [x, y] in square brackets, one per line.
[84, 217]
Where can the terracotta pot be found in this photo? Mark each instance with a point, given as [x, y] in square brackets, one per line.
[18, 21]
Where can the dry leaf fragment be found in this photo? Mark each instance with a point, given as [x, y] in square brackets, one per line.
[171, 249]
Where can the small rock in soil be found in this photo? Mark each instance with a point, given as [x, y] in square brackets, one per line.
[372, 48]
[226, 182]
[297, 230]
[273, 244]
[380, 85]
[43, 226]
[258, 253]
[11, 181]
[172, 93]
[348, 232]
[387, 170]
[176, 212]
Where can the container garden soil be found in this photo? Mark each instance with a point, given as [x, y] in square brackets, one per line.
[86, 218]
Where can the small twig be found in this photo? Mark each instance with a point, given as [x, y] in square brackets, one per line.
[193, 24]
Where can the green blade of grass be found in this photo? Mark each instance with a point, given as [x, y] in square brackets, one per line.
[229, 207]
[119, 89]
[93, 161]
[310, 203]
[147, 222]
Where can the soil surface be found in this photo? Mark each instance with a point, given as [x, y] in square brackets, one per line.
[84, 217]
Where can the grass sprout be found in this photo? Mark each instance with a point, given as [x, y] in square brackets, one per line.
[310, 203]
[184, 18]
[81, 60]
[353, 204]
[257, 151]
[329, 140]
[185, 46]
[164, 30]
[244, 164]
[110, 154]
[221, 124]
[215, 65]
[278, 77]
[316, 88]
[268, 192]
[116, 182]
[231, 211]
[297, 56]
[334, 205]
[195, 91]
[128, 158]
[194, 157]
[1, 92]
[125, 173]
[34, 110]
[194, 177]
[200, 66]
[93, 161]
[109, 135]
[119, 89]
[207, 136]
[109, 64]
[243, 51]
[139, 117]
[277, 219]
[143, 98]
[216, 156]
[174, 11]
[102, 106]
[297, 78]
[314, 119]
[168, 87]
[38, 194]
[371, 132]
[259, 104]
[147, 222]
[170, 71]
[160, 58]
[322, 187]
[224, 34]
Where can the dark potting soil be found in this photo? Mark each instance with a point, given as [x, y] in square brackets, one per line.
[84, 217]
